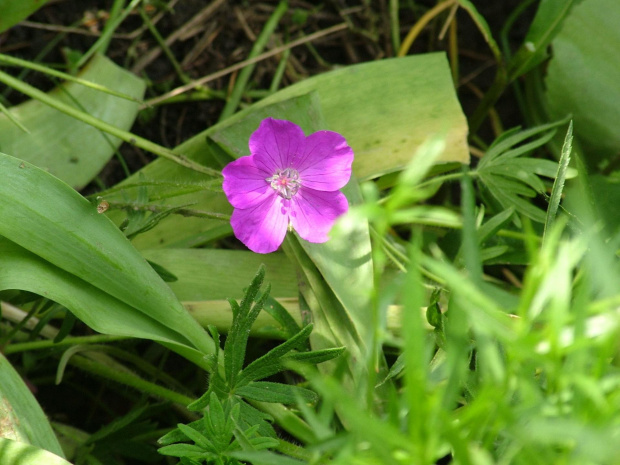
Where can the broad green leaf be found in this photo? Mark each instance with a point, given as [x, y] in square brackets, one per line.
[21, 417]
[70, 149]
[385, 109]
[19, 453]
[23, 270]
[49, 219]
[228, 271]
[583, 77]
[12, 12]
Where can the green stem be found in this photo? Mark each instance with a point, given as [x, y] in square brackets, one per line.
[187, 212]
[115, 12]
[394, 25]
[103, 40]
[246, 73]
[105, 127]
[12, 61]
[293, 450]
[162, 43]
[68, 341]
[130, 380]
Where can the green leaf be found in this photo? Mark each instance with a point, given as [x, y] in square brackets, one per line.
[22, 417]
[373, 106]
[265, 391]
[543, 29]
[509, 177]
[582, 78]
[243, 318]
[187, 450]
[196, 436]
[483, 27]
[19, 453]
[385, 109]
[558, 184]
[262, 457]
[494, 224]
[13, 12]
[269, 363]
[50, 220]
[229, 271]
[66, 147]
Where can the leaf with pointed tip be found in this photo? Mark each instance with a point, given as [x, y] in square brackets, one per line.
[63, 231]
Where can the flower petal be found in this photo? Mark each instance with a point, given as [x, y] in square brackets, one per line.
[245, 183]
[262, 228]
[324, 163]
[275, 144]
[313, 212]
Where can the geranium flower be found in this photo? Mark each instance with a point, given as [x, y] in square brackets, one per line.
[289, 181]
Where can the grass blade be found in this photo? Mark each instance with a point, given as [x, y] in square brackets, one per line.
[560, 179]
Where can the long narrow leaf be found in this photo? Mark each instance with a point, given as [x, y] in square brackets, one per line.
[560, 179]
[268, 365]
[45, 216]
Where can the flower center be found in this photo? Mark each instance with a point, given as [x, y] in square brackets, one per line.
[285, 182]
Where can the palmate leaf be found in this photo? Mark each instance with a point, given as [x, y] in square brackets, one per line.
[509, 176]
[238, 386]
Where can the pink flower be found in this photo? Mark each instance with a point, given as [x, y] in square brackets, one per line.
[288, 181]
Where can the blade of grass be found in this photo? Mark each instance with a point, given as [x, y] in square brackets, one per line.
[105, 127]
[13, 61]
[560, 179]
[259, 45]
[103, 41]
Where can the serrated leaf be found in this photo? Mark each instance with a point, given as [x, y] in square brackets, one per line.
[243, 318]
[314, 357]
[269, 363]
[512, 138]
[201, 441]
[177, 436]
[558, 185]
[264, 391]
[187, 450]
